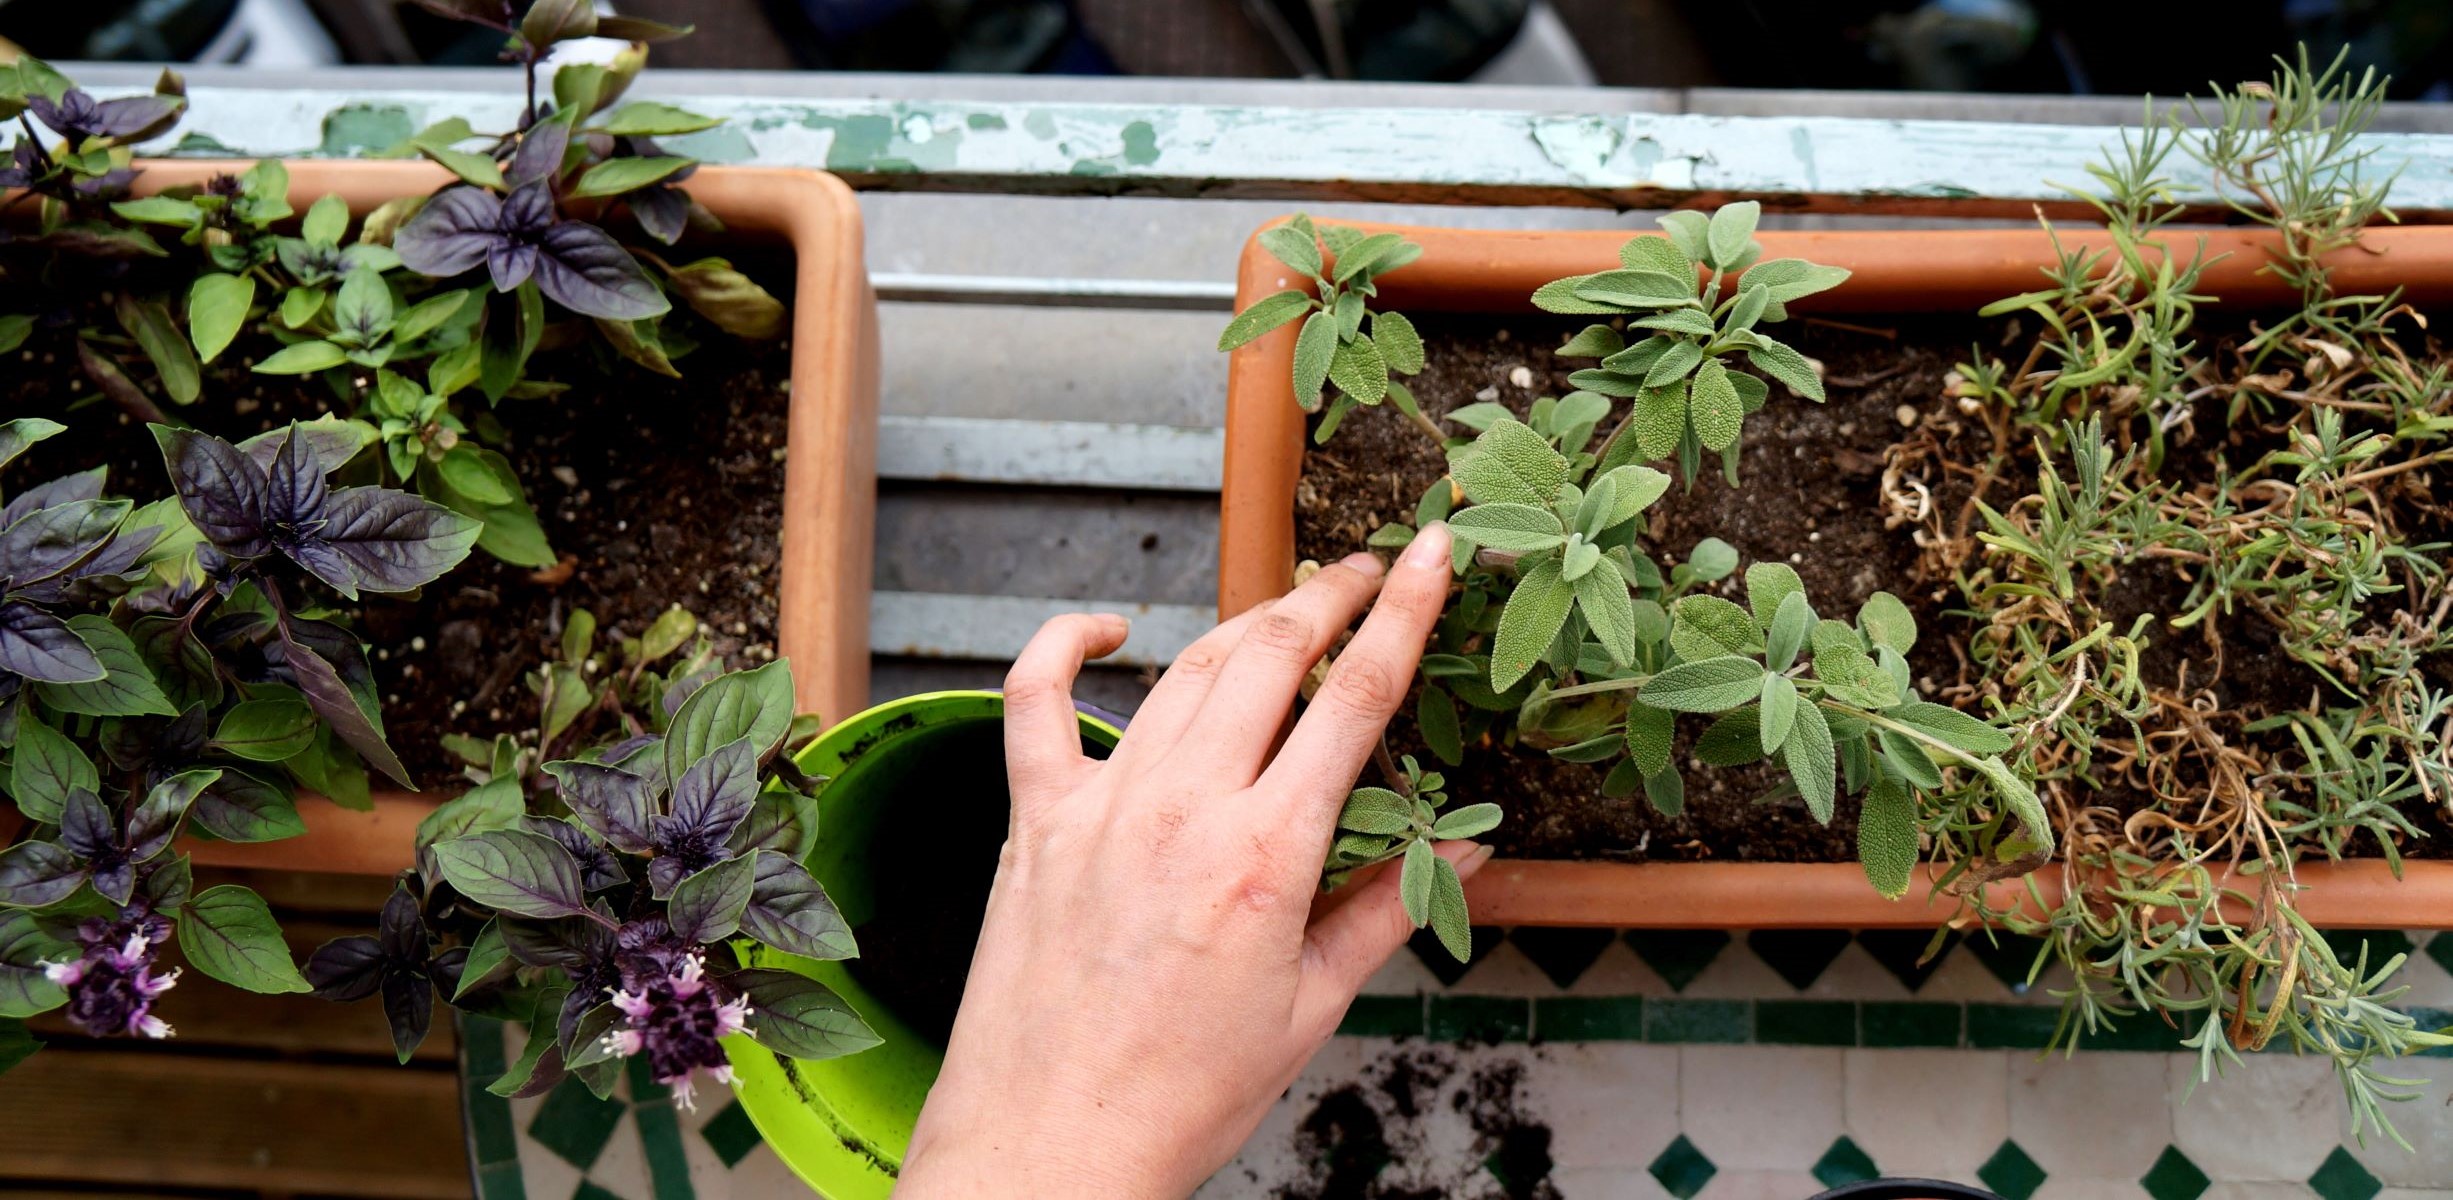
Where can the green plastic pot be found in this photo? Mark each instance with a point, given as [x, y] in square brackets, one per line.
[843, 1124]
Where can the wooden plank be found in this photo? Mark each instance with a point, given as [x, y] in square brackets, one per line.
[140, 1118]
[1614, 159]
[1087, 454]
[994, 628]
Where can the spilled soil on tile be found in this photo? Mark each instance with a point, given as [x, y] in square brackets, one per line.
[1390, 1135]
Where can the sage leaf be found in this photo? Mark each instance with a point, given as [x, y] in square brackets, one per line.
[1414, 881]
[1887, 836]
[1435, 716]
[1808, 755]
[1358, 371]
[1788, 366]
[1779, 711]
[1609, 611]
[1951, 727]
[1377, 810]
[1887, 622]
[1447, 904]
[1730, 231]
[1466, 822]
[1264, 314]
[1510, 464]
[1706, 685]
[1315, 348]
[1400, 346]
[1531, 620]
[1714, 408]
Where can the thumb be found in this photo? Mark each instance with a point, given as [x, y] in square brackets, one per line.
[1347, 944]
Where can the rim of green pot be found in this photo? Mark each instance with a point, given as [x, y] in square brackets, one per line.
[843, 1124]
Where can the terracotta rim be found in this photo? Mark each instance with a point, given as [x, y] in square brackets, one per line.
[830, 476]
[1893, 271]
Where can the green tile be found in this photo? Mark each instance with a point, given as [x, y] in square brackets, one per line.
[2011, 1026]
[2138, 1031]
[1589, 1018]
[1563, 953]
[2440, 948]
[575, 1124]
[1678, 955]
[2341, 1177]
[2011, 1173]
[2433, 1020]
[1806, 1022]
[2381, 945]
[1682, 1169]
[493, 1137]
[481, 1048]
[1490, 1019]
[730, 1134]
[1383, 1016]
[1798, 955]
[1668, 1019]
[591, 1191]
[1911, 955]
[643, 1085]
[668, 1165]
[1898, 1023]
[501, 1181]
[1845, 1162]
[2174, 1177]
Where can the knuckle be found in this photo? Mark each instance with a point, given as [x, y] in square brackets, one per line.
[1282, 633]
[1366, 683]
[1031, 687]
[1201, 660]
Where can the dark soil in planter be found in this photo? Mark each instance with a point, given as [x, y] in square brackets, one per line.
[655, 491]
[1809, 495]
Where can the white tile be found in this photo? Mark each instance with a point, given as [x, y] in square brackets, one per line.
[2287, 1100]
[1505, 971]
[2431, 986]
[622, 1168]
[1737, 974]
[1857, 975]
[1934, 1113]
[1760, 1107]
[2394, 1193]
[1609, 1104]
[2243, 1190]
[2074, 1188]
[2093, 1115]
[2426, 1122]
[759, 1176]
[1606, 1183]
[1404, 974]
[1760, 1185]
[544, 1173]
[1619, 971]
[1963, 976]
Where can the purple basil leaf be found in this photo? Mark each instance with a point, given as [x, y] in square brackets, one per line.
[114, 880]
[331, 443]
[87, 826]
[221, 491]
[156, 820]
[513, 871]
[545, 943]
[391, 541]
[48, 541]
[664, 873]
[83, 485]
[76, 114]
[117, 558]
[716, 792]
[575, 1009]
[445, 969]
[294, 489]
[789, 911]
[330, 696]
[538, 161]
[662, 211]
[34, 874]
[706, 907]
[509, 264]
[584, 270]
[613, 802]
[451, 233]
[39, 646]
[408, 1004]
[781, 821]
[135, 114]
[349, 968]
[401, 931]
[547, 1076]
[598, 869]
[239, 807]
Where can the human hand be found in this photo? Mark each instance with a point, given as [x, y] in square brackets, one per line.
[1151, 975]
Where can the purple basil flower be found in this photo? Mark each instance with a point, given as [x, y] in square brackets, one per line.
[677, 1021]
[112, 986]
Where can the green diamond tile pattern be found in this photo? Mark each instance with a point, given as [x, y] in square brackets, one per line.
[730, 1134]
[2007, 955]
[1692, 1021]
[1887, 1024]
[1845, 1162]
[1383, 1016]
[2381, 945]
[590, 1191]
[2174, 1177]
[1799, 956]
[1443, 965]
[575, 1124]
[1486, 1019]
[1563, 954]
[2341, 1177]
[1806, 1022]
[2440, 948]
[1910, 954]
[1681, 1169]
[1677, 955]
[2011, 1173]
[1589, 1018]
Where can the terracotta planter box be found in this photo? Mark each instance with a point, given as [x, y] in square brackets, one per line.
[1496, 272]
[830, 478]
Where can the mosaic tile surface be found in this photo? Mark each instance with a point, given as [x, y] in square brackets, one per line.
[1682, 1063]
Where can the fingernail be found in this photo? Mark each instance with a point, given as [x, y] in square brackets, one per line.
[1473, 862]
[1116, 623]
[1429, 547]
[1367, 563]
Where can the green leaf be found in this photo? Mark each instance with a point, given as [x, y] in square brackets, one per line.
[1634, 489]
[647, 118]
[1789, 629]
[1951, 727]
[477, 169]
[511, 531]
[615, 176]
[1516, 528]
[1887, 622]
[1886, 836]
[1298, 248]
[1712, 560]
[1909, 758]
[1650, 253]
[1315, 347]
[1448, 917]
[1704, 626]
[1779, 711]
[173, 359]
[514, 871]
[752, 704]
[1660, 421]
[1688, 232]
[1510, 464]
[1752, 301]
[1596, 341]
[1678, 320]
[13, 330]
[161, 210]
[1609, 611]
[1377, 810]
[426, 315]
[26, 944]
[45, 766]
[1786, 279]
[1714, 407]
[1435, 716]
[127, 687]
[2020, 798]
[706, 906]
[494, 804]
[733, 301]
[1768, 586]
[1414, 881]
[1637, 289]
[1470, 821]
[363, 307]
[1649, 734]
[1531, 620]
[468, 474]
[1705, 685]
[798, 1017]
[1381, 252]
[216, 308]
[532, 1052]
[299, 306]
[302, 359]
[326, 220]
[1731, 230]
[1734, 740]
[1400, 346]
[1666, 790]
[1358, 371]
[227, 932]
[1265, 314]
[1807, 753]
[1560, 296]
[266, 730]
[1788, 366]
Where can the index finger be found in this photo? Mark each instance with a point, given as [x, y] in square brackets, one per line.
[1317, 766]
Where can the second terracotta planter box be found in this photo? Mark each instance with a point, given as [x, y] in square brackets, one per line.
[1496, 272]
[830, 475]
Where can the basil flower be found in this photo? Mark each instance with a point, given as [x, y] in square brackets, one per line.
[112, 987]
[678, 1022]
